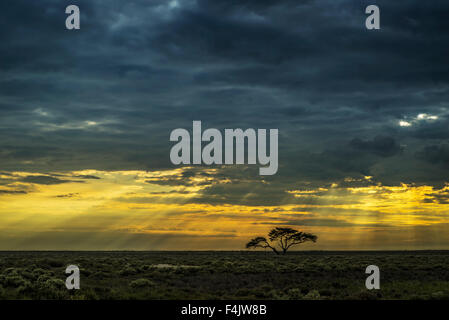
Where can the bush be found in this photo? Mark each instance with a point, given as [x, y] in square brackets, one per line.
[367, 295]
[294, 294]
[325, 293]
[312, 295]
[14, 281]
[128, 271]
[141, 283]
[55, 284]
[439, 295]
[54, 263]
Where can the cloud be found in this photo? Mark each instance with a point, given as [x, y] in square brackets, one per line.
[436, 154]
[322, 222]
[47, 180]
[68, 195]
[380, 146]
[88, 177]
[12, 192]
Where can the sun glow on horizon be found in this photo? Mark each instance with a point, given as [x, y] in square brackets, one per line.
[176, 209]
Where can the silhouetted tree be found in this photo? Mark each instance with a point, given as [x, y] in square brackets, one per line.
[285, 238]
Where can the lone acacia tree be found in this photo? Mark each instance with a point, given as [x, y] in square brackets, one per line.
[284, 237]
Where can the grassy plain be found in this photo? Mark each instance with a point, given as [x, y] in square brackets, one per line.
[224, 275]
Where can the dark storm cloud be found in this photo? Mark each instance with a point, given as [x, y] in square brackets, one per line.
[381, 146]
[107, 96]
[48, 180]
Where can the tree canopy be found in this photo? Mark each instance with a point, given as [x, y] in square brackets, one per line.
[281, 239]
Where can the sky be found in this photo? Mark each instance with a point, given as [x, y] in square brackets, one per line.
[86, 116]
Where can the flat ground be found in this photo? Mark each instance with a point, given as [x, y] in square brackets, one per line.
[224, 275]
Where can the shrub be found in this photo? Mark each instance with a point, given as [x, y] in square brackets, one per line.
[14, 281]
[367, 295]
[128, 271]
[55, 284]
[312, 295]
[54, 263]
[294, 294]
[325, 293]
[439, 295]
